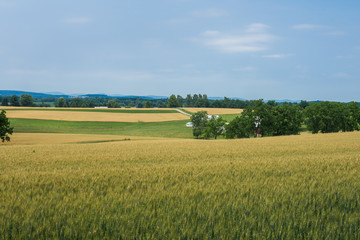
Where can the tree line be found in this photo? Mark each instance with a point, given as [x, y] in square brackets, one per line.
[267, 119]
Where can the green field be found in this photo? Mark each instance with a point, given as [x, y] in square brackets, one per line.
[171, 129]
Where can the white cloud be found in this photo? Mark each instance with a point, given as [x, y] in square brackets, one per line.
[277, 55]
[255, 38]
[79, 20]
[210, 12]
[307, 26]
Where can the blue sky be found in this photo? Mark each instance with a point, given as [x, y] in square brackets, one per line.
[249, 49]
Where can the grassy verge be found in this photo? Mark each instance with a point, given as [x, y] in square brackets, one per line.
[171, 129]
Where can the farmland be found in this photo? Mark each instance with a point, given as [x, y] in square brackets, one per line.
[279, 187]
[84, 179]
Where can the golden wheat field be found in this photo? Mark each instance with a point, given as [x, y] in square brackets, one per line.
[58, 138]
[95, 116]
[216, 110]
[293, 187]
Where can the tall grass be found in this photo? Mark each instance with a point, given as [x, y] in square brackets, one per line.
[282, 187]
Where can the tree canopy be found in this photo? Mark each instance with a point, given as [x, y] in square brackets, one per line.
[5, 129]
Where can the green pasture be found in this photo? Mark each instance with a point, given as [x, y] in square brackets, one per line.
[171, 129]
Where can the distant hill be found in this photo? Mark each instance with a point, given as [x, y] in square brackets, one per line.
[58, 94]
[33, 94]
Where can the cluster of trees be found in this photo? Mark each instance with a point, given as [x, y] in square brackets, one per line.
[25, 100]
[91, 102]
[205, 127]
[327, 117]
[196, 100]
[269, 119]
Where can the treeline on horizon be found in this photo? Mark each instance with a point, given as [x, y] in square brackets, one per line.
[264, 119]
[174, 101]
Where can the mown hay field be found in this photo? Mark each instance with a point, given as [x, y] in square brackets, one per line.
[291, 187]
[218, 111]
[95, 116]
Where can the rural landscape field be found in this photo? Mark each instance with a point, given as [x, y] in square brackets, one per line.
[180, 119]
[58, 180]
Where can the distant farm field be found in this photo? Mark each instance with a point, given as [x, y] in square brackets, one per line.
[95, 116]
[218, 111]
[293, 187]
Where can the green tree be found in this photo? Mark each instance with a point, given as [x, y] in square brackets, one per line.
[288, 119]
[26, 100]
[188, 101]
[113, 104]
[180, 100]
[173, 103]
[5, 102]
[199, 120]
[14, 100]
[61, 102]
[148, 104]
[215, 127]
[5, 129]
[240, 127]
[76, 102]
[329, 117]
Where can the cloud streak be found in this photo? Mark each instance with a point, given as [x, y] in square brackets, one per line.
[255, 38]
[277, 56]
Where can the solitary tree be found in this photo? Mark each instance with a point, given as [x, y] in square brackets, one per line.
[5, 129]
[199, 120]
[5, 102]
[26, 100]
[14, 100]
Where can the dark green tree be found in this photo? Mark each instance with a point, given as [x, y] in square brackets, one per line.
[112, 104]
[26, 100]
[173, 103]
[61, 102]
[76, 102]
[180, 100]
[5, 102]
[199, 120]
[215, 126]
[14, 100]
[5, 129]
[188, 101]
[287, 119]
[148, 104]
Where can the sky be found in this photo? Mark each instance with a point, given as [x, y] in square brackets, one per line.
[297, 50]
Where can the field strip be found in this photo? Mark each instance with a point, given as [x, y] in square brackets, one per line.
[106, 110]
[60, 138]
[96, 116]
[216, 110]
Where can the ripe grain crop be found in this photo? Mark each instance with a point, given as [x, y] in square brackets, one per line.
[57, 138]
[293, 187]
[95, 116]
[218, 111]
